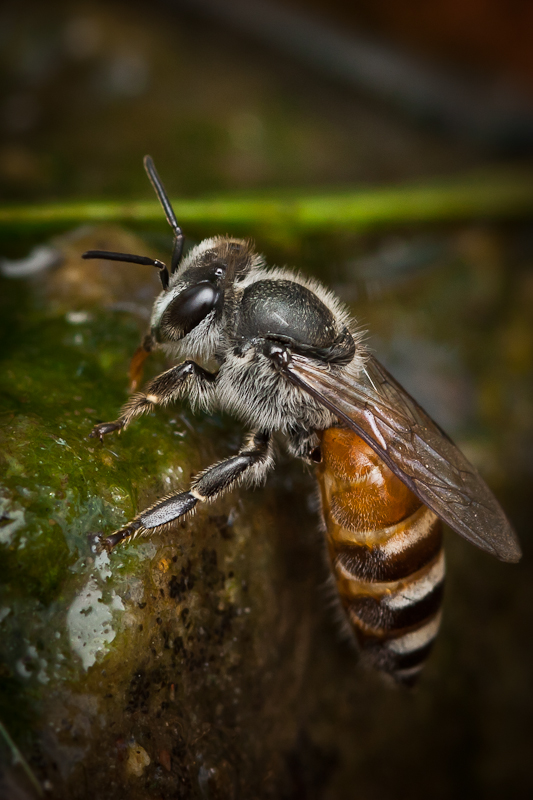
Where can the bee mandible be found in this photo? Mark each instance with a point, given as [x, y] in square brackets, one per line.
[290, 360]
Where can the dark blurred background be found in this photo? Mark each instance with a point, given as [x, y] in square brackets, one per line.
[260, 96]
[257, 94]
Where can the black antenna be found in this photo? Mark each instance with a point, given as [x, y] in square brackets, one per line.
[169, 211]
[131, 259]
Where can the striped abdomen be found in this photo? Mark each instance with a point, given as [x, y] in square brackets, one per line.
[386, 552]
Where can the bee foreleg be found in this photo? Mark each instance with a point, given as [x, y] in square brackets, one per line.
[164, 389]
[252, 463]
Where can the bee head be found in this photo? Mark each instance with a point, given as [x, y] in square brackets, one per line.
[200, 295]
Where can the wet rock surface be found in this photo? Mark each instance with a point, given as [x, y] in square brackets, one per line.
[206, 661]
[157, 666]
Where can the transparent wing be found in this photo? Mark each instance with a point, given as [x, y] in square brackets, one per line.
[382, 413]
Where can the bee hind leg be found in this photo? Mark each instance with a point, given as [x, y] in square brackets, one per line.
[251, 464]
[304, 444]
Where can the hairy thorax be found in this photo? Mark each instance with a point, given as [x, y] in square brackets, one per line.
[251, 388]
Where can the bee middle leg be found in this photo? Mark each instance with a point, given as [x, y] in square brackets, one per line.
[252, 462]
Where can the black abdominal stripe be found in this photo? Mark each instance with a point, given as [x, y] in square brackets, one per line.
[391, 589]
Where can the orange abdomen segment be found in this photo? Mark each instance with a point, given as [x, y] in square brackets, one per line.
[386, 551]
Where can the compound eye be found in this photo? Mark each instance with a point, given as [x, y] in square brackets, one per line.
[189, 308]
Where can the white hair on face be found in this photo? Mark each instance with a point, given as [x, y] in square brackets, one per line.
[206, 337]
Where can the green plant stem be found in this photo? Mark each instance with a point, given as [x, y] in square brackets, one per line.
[501, 195]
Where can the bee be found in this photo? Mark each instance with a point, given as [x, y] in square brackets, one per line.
[290, 360]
